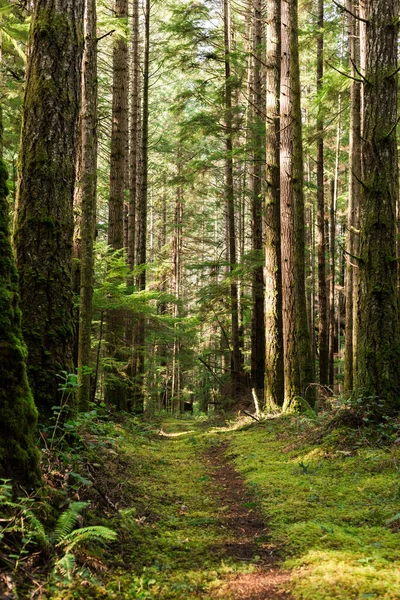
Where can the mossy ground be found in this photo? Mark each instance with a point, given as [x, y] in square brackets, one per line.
[336, 512]
[332, 511]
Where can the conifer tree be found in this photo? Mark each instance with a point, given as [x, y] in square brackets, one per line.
[378, 350]
[44, 221]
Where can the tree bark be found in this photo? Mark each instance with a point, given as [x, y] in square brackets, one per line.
[323, 333]
[230, 204]
[19, 457]
[142, 217]
[44, 220]
[297, 348]
[378, 373]
[274, 371]
[258, 142]
[354, 194]
[116, 389]
[88, 191]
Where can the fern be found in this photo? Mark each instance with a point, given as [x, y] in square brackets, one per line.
[66, 566]
[95, 533]
[67, 521]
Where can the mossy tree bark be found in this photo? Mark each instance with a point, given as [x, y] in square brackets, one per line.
[87, 186]
[274, 377]
[378, 352]
[116, 390]
[44, 220]
[19, 457]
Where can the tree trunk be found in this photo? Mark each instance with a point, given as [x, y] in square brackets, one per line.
[142, 217]
[274, 373]
[44, 220]
[354, 194]
[297, 348]
[87, 188]
[258, 143]
[323, 334]
[378, 374]
[116, 388]
[19, 457]
[230, 203]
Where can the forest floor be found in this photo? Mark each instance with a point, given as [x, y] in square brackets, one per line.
[230, 510]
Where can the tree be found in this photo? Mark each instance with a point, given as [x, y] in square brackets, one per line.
[230, 202]
[116, 388]
[354, 195]
[19, 457]
[257, 172]
[274, 374]
[87, 185]
[378, 352]
[297, 348]
[323, 333]
[44, 221]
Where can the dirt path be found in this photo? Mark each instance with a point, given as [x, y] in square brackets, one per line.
[249, 536]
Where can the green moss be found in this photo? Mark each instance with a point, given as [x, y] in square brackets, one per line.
[329, 508]
[19, 457]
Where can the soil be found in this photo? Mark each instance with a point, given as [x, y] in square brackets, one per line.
[249, 540]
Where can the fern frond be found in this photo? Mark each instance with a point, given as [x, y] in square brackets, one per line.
[95, 533]
[67, 521]
[65, 566]
[37, 530]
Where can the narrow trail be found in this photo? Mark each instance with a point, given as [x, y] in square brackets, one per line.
[249, 535]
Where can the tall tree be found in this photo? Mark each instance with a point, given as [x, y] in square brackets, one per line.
[19, 457]
[87, 185]
[230, 202]
[274, 374]
[142, 213]
[257, 172]
[116, 388]
[378, 351]
[297, 348]
[354, 192]
[44, 221]
[323, 330]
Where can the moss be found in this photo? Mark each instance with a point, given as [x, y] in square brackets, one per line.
[19, 457]
[329, 508]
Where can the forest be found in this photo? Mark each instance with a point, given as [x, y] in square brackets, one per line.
[199, 299]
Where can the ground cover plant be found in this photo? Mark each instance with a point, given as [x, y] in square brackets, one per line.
[205, 509]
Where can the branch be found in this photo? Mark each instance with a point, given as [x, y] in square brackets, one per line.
[252, 416]
[345, 74]
[345, 9]
[210, 369]
[105, 35]
[358, 258]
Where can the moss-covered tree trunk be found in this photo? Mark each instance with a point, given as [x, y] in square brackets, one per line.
[378, 352]
[44, 220]
[19, 457]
